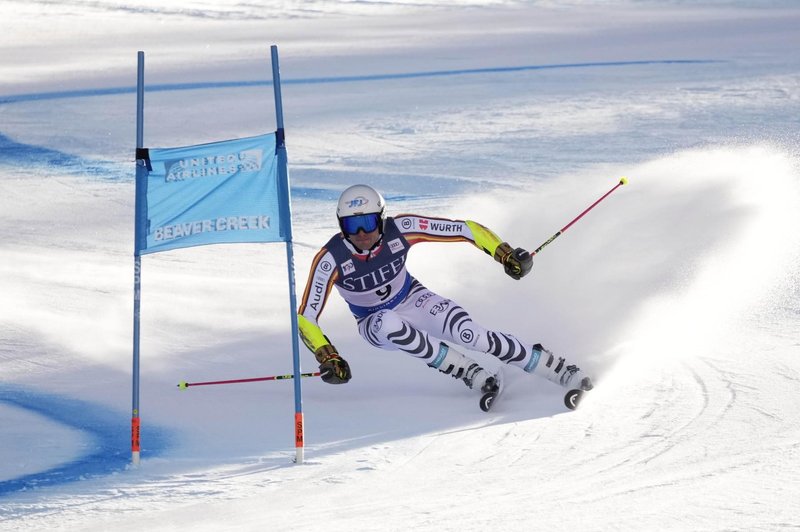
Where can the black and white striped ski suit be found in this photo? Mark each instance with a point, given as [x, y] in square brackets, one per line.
[424, 316]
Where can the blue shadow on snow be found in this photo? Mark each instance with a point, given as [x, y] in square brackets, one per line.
[16, 98]
[16, 154]
[108, 452]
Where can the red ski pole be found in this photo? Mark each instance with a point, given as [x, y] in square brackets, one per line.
[622, 181]
[183, 384]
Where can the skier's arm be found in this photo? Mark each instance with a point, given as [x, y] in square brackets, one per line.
[484, 238]
[334, 368]
[516, 262]
[311, 334]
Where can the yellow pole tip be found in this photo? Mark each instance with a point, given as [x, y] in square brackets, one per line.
[183, 385]
[623, 181]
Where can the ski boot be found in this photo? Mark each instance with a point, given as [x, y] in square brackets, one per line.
[556, 369]
[459, 366]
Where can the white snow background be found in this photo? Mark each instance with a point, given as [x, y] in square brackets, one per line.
[679, 292]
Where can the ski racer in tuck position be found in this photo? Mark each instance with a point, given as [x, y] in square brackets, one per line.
[366, 262]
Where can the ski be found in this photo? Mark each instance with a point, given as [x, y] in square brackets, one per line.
[573, 398]
[495, 389]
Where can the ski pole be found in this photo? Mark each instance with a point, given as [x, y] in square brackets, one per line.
[183, 384]
[622, 181]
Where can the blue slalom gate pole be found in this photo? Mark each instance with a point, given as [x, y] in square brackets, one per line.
[283, 172]
[137, 266]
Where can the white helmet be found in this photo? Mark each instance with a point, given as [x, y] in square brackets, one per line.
[358, 200]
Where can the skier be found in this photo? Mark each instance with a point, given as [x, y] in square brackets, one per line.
[394, 311]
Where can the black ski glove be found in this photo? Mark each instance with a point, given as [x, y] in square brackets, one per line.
[516, 262]
[333, 368]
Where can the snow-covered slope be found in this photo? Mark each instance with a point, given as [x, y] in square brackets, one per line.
[679, 292]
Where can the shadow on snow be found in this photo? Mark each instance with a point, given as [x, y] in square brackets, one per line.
[108, 452]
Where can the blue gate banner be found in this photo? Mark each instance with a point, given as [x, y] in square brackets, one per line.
[222, 192]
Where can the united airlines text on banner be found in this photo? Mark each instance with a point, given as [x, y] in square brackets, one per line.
[214, 193]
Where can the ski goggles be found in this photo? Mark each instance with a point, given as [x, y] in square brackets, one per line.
[351, 225]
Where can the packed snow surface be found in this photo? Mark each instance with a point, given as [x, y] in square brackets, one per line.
[678, 293]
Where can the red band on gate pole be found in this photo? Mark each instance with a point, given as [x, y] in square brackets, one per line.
[135, 434]
[298, 429]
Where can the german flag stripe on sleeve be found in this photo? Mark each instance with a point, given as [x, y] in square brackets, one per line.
[311, 278]
[416, 238]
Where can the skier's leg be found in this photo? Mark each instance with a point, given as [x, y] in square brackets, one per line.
[388, 330]
[446, 319]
